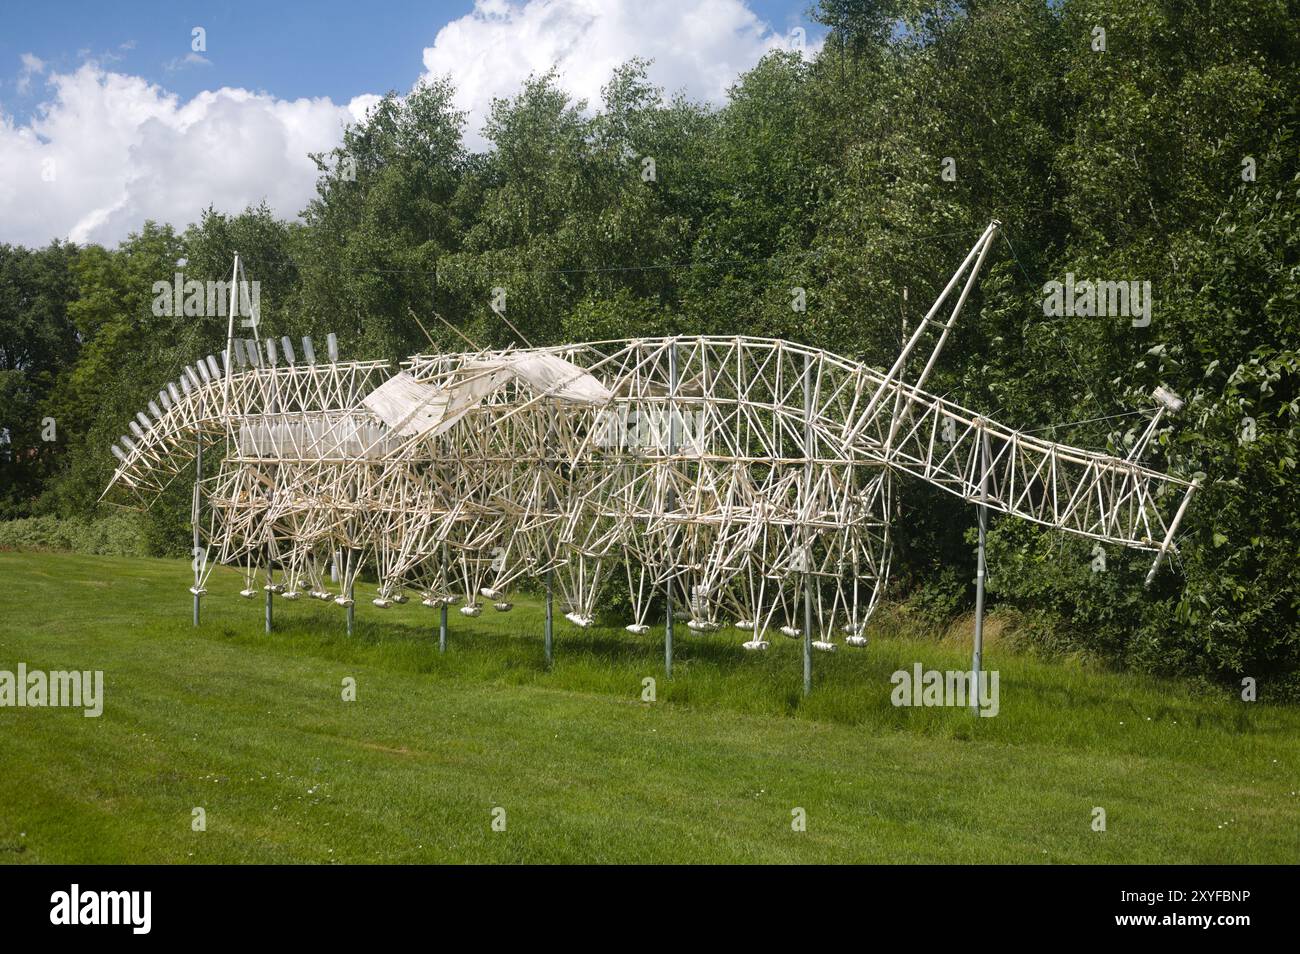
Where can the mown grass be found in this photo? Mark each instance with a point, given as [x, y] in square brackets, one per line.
[253, 729]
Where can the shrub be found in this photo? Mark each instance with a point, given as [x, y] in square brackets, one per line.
[115, 535]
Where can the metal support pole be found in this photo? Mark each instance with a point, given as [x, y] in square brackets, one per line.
[670, 501]
[195, 553]
[668, 634]
[1173, 527]
[980, 567]
[807, 636]
[269, 593]
[807, 572]
[550, 618]
[442, 612]
[347, 575]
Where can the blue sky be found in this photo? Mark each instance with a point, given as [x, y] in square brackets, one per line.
[109, 117]
[334, 48]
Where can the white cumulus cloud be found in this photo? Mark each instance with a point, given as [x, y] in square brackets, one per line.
[104, 151]
[107, 151]
[699, 46]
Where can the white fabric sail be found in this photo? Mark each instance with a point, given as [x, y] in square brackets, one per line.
[412, 408]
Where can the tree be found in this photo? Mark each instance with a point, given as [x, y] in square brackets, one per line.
[38, 342]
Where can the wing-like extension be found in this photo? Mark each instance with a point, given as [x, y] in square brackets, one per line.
[858, 412]
[163, 441]
[1068, 488]
[306, 411]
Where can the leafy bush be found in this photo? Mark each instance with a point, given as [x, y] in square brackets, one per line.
[116, 535]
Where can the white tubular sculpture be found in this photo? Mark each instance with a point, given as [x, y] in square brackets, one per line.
[752, 479]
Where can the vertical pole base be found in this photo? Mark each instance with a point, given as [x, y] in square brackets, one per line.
[549, 634]
[807, 663]
[807, 636]
[977, 651]
[668, 644]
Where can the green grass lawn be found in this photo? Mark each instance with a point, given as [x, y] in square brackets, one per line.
[253, 729]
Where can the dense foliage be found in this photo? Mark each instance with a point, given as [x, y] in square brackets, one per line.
[1115, 139]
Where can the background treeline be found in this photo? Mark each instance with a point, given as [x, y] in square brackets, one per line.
[1128, 163]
